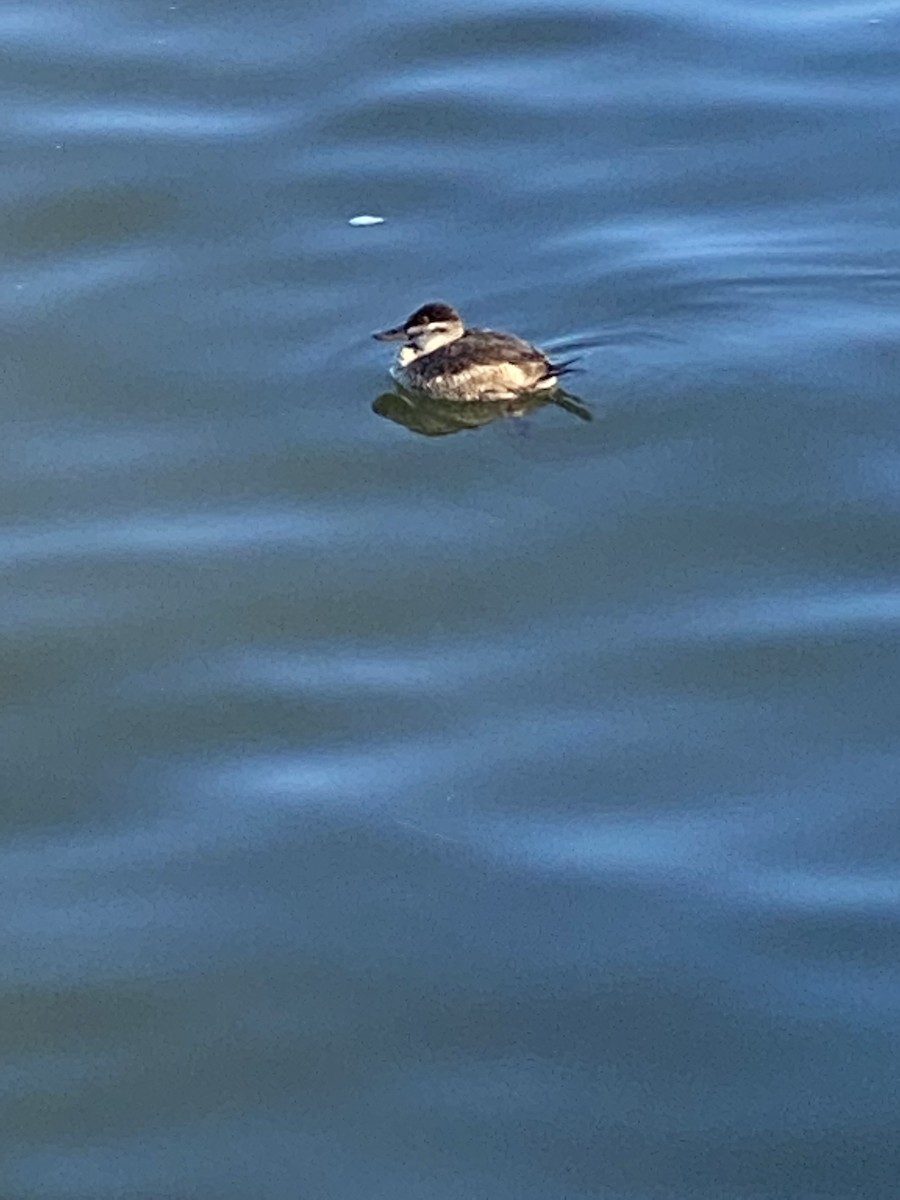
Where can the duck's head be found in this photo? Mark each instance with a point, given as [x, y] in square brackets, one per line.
[429, 327]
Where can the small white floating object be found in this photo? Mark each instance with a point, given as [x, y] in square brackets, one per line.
[365, 219]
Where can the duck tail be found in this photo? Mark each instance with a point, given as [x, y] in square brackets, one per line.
[565, 367]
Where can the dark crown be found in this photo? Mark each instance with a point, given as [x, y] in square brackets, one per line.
[429, 314]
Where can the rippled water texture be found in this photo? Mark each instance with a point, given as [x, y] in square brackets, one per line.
[505, 814]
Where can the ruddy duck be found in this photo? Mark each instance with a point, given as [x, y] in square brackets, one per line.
[443, 359]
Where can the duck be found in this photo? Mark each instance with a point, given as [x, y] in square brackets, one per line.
[444, 359]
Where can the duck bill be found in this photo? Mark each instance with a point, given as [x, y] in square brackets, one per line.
[390, 335]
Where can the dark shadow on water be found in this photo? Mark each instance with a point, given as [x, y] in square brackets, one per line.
[434, 418]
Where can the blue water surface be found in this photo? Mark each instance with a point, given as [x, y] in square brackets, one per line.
[508, 814]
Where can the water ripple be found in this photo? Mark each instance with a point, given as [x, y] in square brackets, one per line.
[185, 123]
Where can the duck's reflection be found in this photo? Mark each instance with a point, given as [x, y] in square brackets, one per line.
[433, 418]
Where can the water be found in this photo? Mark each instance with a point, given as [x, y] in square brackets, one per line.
[510, 813]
